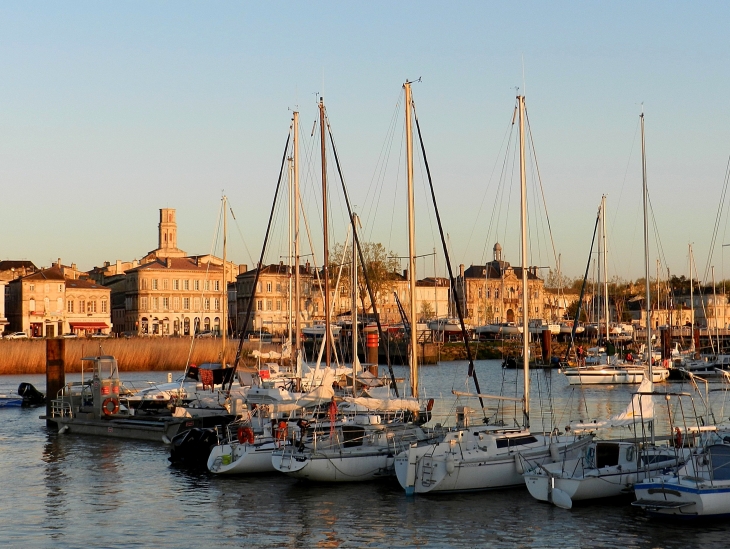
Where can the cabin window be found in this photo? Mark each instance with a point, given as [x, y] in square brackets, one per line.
[606, 454]
[720, 459]
[352, 435]
[515, 441]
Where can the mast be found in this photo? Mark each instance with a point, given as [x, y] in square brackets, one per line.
[691, 300]
[326, 260]
[224, 303]
[523, 225]
[411, 243]
[646, 260]
[292, 357]
[353, 312]
[296, 344]
[604, 269]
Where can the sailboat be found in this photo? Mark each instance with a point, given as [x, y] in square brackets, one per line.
[482, 457]
[604, 368]
[360, 446]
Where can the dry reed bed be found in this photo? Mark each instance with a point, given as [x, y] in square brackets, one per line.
[19, 357]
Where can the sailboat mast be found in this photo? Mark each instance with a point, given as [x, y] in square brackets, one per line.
[411, 243]
[525, 290]
[646, 253]
[353, 309]
[326, 259]
[604, 254]
[691, 301]
[289, 257]
[297, 297]
[224, 303]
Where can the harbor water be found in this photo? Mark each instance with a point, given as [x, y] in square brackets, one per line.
[73, 491]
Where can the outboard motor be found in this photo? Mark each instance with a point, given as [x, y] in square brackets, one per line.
[192, 448]
[31, 395]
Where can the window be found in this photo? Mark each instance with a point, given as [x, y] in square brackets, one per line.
[60, 287]
[31, 287]
[196, 303]
[537, 309]
[70, 306]
[164, 284]
[165, 303]
[176, 303]
[196, 285]
[216, 304]
[59, 304]
[496, 294]
[217, 285]
[268, 286]
[154, 283]
[258, 287]
[176, 284]
[142, 304]
[186, 284]
[206, 304]
[278, 286]
[259, 305]
[91, 306]
[143, 283]
[207, 285]
[269, 304]
[104, 306]
[278, 304]
[82, 306]
[316, 307]
[186, 302]
[155, 303]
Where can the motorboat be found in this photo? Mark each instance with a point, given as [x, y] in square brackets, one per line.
[609, 374]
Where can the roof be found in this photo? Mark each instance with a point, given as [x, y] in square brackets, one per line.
[431, 282]
[53, 273]
[176, 263]
[11, 264]
[275, 269]
[82, 283]
[495, 269]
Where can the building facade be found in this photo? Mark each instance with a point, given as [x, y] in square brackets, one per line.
[492, 293]
[48, 304]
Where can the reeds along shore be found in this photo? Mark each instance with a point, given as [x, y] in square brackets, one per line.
[133, 355]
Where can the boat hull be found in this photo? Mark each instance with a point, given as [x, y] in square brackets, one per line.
[612, 376]
[687, 499]
[320, 467]
[242, 458]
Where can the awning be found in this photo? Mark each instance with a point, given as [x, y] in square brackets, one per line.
[87, 325]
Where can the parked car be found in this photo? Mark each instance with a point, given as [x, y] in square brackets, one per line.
[17, 335]
[69, 336]
[206, 333]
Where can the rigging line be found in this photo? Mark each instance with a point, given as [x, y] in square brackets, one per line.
[397, 180]
[373, 302]
[716, 227]
[484, 195]
[259, 266]
[626, 173]
[582, 290]
[240, 233]
[542, 189]
[465, 337]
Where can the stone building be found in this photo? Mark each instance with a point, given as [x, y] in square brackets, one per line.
[493, 292]
[51, 302]
[3, 318]
[12, 269]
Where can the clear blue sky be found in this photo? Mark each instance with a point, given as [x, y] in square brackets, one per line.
[110, 111]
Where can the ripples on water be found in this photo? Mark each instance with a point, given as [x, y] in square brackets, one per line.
[69, 491]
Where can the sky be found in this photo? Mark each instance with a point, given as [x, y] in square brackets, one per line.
[110, 111]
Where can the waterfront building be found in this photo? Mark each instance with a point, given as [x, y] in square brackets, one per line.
[493, 292]
[56, 301]
[3, 318]
[272, 297]
[12, 269]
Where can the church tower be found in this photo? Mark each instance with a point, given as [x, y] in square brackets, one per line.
[167, 229]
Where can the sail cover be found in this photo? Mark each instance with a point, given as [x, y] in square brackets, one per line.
[641, 408]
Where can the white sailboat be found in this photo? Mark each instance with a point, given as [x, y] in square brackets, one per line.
[488, 457]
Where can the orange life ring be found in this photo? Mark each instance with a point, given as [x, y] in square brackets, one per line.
[110, 410]
[677, 438]
[245, 434]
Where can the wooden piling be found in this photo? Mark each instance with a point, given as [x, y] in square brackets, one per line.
[55, 372]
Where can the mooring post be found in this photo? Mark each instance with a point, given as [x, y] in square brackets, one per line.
[55, 372]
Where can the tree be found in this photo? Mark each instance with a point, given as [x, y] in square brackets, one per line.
[381, 267]
[573, 309]
[554, 281]
[426, 311]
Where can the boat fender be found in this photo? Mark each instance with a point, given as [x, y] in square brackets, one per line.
[518, 464]
[245, 434]
[110, 406]
[450, 463]
[677, 437]
[590, 452]
[630, 453]
[554, 452]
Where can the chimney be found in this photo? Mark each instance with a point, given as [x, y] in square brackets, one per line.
[168, 262]
[73, 266]
[306, 267]
[242, 268]
[119, 267]
[58, 263]
[405, 274]
[461, 270]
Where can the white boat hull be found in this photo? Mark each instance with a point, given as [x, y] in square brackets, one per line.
[356, 466]
[612, 376]
[242, 458]
[454, 466]
[690, 499]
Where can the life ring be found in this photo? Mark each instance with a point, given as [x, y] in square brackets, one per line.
[677, 437]
[110, 410]
[245, 434]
